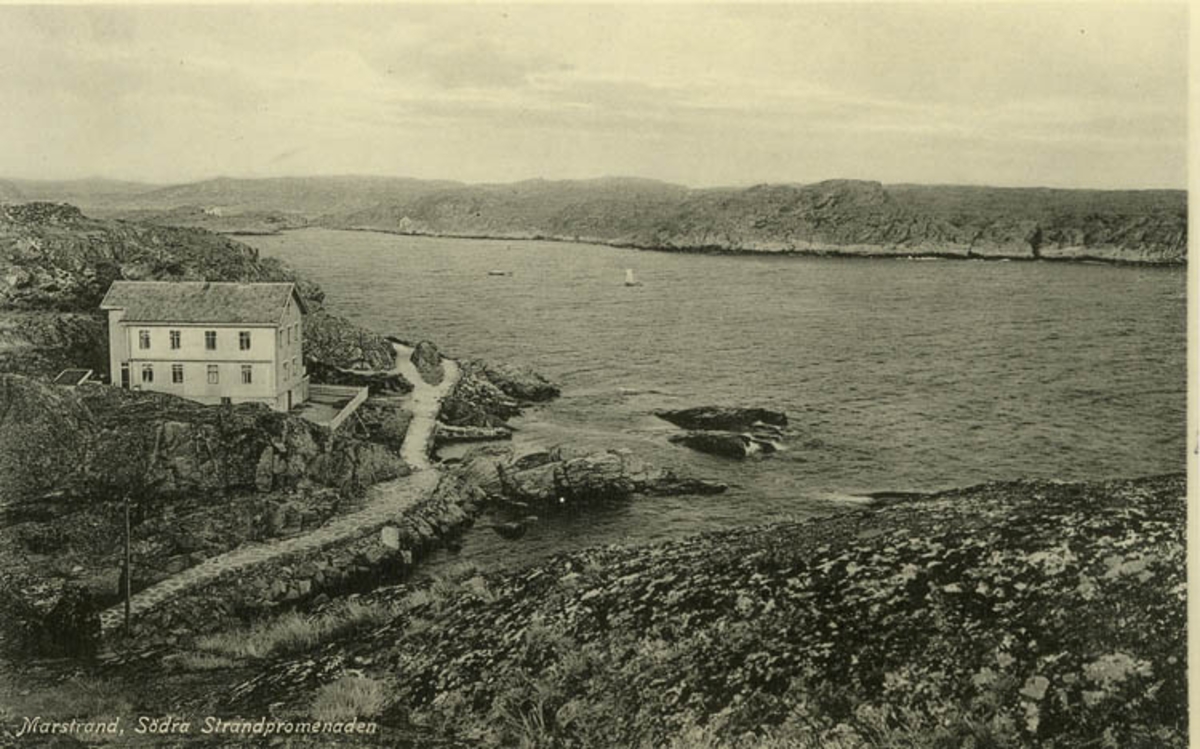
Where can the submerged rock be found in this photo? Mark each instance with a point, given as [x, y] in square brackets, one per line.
[727, 444]
[446, 434]
[725, 418]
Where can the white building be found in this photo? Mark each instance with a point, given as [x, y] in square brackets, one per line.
[210, 342]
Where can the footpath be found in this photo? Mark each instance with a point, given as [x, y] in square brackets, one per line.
[385, 502]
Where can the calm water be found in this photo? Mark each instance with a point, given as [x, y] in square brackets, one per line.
[896, 375]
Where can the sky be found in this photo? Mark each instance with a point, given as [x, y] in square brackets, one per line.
[1070, 95]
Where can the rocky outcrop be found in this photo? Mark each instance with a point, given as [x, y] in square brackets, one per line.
[560, 477]
[384, 421]
[332, 342]
[95, 438]
[728, 431]
[476, 401]
[1027, 613]
[428, 361]
[726, 418]
[725, 444]
[489, 394]
[56, 265]
[520, 383]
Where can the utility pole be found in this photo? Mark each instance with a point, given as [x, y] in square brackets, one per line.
[128, 581]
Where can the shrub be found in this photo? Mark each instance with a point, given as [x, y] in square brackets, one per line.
[295, 632]
[348, 698]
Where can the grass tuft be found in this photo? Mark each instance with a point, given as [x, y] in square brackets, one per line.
[295, 632]
[348, 698]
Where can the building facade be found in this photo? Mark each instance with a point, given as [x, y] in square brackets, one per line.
[209, 342]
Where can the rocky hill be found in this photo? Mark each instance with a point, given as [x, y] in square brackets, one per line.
[1024, 614]
[837, 217]
[56, 265]
[833, 217]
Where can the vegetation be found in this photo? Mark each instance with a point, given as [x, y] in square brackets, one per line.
[348, 698]
[1006, 615]
[295, 632]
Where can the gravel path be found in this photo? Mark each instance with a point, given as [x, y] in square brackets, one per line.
[384, 502]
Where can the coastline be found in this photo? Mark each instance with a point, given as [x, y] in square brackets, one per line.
[830, 251]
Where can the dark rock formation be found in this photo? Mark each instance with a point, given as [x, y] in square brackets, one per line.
[97, 438]
[338, 343]
[521, 383]
[725, 418]
[51, 618]
[428, 361]
[487, 394]
[558, 477]
[384, 422]
[477, 401]
[726, 444]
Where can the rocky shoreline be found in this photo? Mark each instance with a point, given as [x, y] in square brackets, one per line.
[1008, 614]
[866, 252]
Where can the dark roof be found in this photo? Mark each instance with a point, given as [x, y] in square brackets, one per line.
[201, 301]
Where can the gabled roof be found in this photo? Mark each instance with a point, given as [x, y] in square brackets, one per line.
[201, 301]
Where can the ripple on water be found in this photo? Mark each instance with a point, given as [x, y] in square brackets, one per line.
[897, 376]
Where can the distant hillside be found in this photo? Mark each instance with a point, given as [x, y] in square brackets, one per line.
[834, 217]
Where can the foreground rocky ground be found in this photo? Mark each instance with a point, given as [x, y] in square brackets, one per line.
[1004, 615]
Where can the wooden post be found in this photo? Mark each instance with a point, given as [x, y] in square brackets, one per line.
[128, 580]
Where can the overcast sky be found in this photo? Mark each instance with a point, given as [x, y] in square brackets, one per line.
[1085, 95]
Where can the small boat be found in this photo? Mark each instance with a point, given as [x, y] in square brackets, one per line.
[629, 279]
[499, 272]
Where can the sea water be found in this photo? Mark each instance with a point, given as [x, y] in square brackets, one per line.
[896, 375]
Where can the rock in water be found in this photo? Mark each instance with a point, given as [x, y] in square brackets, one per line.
[725, 418]
[521, 383]
[726, 444]
[446, 434]
[428, 361]
[553, 479]
[511, 530]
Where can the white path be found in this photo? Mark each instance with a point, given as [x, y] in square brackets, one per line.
[385, 502]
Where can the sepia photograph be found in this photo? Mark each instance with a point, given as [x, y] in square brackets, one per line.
[571, 376]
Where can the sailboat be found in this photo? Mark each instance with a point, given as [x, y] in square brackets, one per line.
[629, 279]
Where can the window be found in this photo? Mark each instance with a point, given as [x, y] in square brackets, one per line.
[296, 334]
[244, 340]
[296, 366]
[174, 334]
[281, 338]
[176, 373]
[210, 340]
[214, 374]
[289, 335]
[247, 374]
[143, 339]
[286, 373]
[147, 373]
